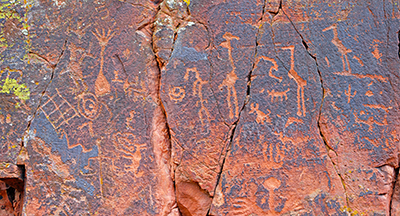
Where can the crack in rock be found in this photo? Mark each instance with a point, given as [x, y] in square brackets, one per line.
[53, 66]
[328, 148]
[161, 135]
[170, 17]
[246, 101]
[396, 171]
[395, 182]
[398, 35]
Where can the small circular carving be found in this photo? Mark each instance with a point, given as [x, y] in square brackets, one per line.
[88, 106]
[176, 93]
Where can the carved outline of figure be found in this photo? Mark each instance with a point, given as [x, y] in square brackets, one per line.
[197, 90]
[278, 95]
[247, 205]
[230, 80]
[342, 49]
[75, 63]
[301, 83]
[261, 116]
[274, 67]
[102, 85]
[349, 94]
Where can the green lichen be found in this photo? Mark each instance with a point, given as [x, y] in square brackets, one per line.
[8, 10]
[11, 86]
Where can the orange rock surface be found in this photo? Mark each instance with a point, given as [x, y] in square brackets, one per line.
[199, 107]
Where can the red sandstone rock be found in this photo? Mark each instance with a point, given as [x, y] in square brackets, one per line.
[189, 107]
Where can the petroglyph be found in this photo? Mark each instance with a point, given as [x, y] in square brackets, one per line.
[370, 121]
[261, 117]
[273, 67]
[72, 146]
[277, 95]
[344, 51]
[248, 206]
[274, 155]
[197, 89]
[287, 139]
[376, 52]
[77, 55]
[301, 83]
[359, 60]
[177, 93]
[116, 77]
[378, 106]
[102, 86]
[103, 12]
[110, 128]
[349, 94]
[58, 110]
[89, 125]
[271, 184]
[88, 105]
[125, 143]
[230, 80]
[339, 45]
[80, 28]
[292, 120]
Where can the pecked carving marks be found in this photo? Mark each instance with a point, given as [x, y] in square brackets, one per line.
[103, 37]
[231, 78]
[301, 83]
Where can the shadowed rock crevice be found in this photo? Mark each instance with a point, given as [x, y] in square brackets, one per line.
[398, 34]
[170, 18]
[161, 136]
[191, 198]
[274, 14]
[322, 136]
[12, 188]
[53, 66]
[232, 131]
[211, 47]
[395, 192]
[201, 107]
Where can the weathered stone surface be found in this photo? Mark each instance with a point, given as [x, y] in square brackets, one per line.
[199, 107]
[277, 164]
[358, 60]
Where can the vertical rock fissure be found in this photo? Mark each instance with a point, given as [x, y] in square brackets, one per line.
[53, 66]
[398, 35]
[246, 101]
[396, 170]
[161, 136]
[396, 175]
[327, 147]
[212, 46]
[273, 14]
[161, 140]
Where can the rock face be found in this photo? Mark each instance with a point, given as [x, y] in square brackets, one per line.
[199, 107]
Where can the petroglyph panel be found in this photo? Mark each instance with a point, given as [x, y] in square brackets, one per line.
[209, 67]
[90, 139]
[189, 107]
[233, 51]
[272, 151]
[192, 109]
[358, 119]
